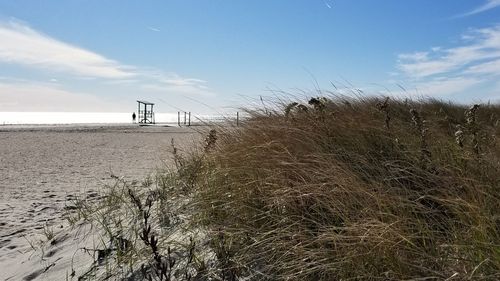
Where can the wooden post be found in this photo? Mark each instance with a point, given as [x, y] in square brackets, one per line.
[179, 118]
[184, 117]
[152, 115]
[189, 119]
[237, 118]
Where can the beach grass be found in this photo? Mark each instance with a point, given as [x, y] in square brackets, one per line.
[357, 188]
[328, 189]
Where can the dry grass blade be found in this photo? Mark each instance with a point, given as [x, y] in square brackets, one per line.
[327, 192]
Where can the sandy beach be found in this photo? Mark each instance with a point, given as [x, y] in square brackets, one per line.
[43, 168]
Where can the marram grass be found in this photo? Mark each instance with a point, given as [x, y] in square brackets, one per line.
[350, 189]
[333, 189]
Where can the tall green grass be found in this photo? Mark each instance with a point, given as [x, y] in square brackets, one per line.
[344, 188]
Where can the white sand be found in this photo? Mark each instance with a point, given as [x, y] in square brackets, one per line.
[43, 168]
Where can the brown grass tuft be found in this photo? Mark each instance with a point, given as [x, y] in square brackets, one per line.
[357, 189]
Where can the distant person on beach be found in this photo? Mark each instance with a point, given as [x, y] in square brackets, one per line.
[133, 117]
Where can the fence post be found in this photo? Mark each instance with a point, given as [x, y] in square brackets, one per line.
[184, 117]
[189, 119]
[237, 119]
[178, 118]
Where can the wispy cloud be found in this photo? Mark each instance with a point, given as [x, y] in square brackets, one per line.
[487, 68]
[173, 83]
[25, 95]
[443, 71]
[21, 44]
[478, 53]
[488, 5]
[153, 29]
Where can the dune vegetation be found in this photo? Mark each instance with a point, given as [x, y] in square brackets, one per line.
[331, 189]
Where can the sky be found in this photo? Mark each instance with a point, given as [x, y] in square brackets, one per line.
[214, 55]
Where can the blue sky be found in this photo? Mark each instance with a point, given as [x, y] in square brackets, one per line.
[214, 55]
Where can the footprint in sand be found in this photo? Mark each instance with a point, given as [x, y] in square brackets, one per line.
[33, 275]
[50, 253]
[45, 208]
[13, 233]
[4, 242]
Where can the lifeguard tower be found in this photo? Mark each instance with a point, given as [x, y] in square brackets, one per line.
[145, 114]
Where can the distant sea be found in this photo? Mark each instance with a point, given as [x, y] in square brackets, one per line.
[55, 118]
